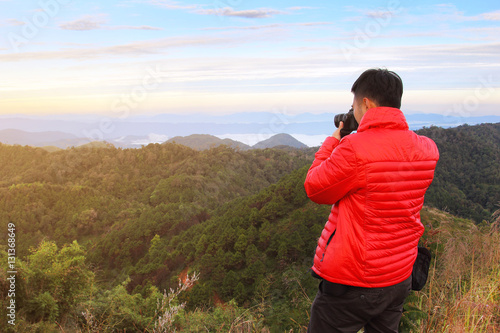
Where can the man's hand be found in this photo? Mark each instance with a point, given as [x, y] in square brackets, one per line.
[336, 134]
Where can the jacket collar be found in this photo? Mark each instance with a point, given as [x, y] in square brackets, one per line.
[383, 117]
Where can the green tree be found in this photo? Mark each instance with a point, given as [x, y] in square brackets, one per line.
[58, 280]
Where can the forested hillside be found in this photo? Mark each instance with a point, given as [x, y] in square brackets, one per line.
[467, 178]
[101, 232]
[105, 196]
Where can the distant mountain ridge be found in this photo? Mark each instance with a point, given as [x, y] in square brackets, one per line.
[40, 139]
[54, 140]
[205, 141]
[135, 131]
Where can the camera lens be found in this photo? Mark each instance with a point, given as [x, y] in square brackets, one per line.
[338, 118]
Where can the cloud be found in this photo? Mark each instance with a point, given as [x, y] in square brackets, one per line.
[383, 14]
[442, 14]
[448, 9]
[301, 8]
[165, 4]
[130, 27]
[254, 27]
[450, 13]
[130, 49]
[249, 13]
[311, 24]
[85, 23]
[217, 10]
[97, 22]
[491, 16]
[271, 26]
[15, 22]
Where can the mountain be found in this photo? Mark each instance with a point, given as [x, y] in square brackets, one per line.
[205, 141]
[280, 140]
[39, 139]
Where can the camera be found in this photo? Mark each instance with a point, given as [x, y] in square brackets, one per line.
[350, 123]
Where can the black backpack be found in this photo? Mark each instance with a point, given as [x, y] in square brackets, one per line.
[420, 269]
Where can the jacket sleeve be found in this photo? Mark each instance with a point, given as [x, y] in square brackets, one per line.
[333, 173]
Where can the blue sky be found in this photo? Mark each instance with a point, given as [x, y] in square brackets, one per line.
[133, 57]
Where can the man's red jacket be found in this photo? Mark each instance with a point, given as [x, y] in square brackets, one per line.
[376, 180]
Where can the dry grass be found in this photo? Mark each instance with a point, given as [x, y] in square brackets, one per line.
[463, 291]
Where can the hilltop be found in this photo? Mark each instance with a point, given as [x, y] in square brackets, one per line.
[205, 141]
[280, 140]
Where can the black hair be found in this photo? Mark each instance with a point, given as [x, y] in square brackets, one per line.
[380, 85]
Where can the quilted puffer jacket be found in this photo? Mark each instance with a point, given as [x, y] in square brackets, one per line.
[376, 180]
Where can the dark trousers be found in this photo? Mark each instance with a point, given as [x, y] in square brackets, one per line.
[341, 309]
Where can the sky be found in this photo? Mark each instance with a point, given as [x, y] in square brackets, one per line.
[141, 57]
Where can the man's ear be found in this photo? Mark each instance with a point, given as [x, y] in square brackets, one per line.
[369, 104]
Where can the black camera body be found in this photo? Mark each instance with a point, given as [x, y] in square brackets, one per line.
[350, 123]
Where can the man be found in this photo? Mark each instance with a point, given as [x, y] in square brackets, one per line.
[376, 180]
